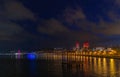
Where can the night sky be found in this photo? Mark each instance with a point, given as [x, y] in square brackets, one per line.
[29, 24]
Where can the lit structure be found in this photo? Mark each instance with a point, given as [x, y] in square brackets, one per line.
[77, 45]
[18, 54]
[86, 45]
[31, 56]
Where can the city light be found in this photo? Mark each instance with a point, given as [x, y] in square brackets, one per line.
[31, 56]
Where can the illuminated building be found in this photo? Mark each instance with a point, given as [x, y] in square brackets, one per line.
[77, 45]
[31, 56]
[86, 45]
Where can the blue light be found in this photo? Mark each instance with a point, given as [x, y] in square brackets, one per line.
[31, 56]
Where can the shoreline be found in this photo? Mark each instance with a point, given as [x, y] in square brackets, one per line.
[105, 56]
[116, 56]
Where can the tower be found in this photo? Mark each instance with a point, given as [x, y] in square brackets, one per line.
[77, 45]
[85, 45]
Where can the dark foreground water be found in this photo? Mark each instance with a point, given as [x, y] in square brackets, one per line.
[65, 67]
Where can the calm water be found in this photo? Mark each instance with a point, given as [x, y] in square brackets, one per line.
[60, 67]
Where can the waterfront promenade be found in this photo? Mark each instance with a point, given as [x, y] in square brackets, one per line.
[111, 54]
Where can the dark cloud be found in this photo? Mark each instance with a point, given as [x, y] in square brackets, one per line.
[73, 14]
[101, 27]
[10, 12]
[73, 23]
[8, 30]
[61, 32]
[117, 2]
[15, 10]
[52, 26]
[109, 28]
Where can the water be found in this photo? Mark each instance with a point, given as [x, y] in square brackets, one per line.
[58, 66]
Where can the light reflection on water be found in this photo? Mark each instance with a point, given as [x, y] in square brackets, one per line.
[92, 66]
[32, 68]
[86, 66]
[62, 66]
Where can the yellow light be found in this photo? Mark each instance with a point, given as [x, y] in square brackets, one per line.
[104, 65]
[112, 67]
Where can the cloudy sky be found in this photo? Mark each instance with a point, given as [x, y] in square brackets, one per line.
[57, 23]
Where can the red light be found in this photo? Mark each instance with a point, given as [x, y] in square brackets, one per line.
[77, 44]
[86, 45]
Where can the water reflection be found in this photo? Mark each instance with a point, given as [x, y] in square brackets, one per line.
[105, 69]
[93, 66]
[63, 66]
[18, 68]
[112, 67]
[72, 69]
[32, 68]
[100, 67]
